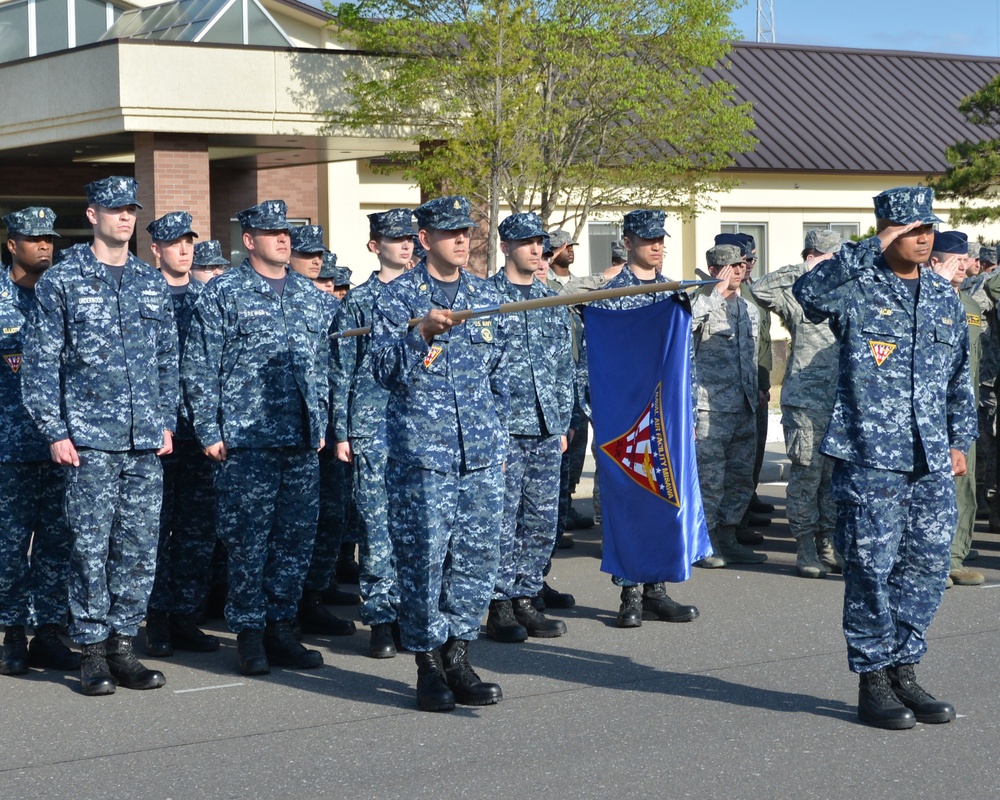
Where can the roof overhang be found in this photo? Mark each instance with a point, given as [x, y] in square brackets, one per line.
[258, 107]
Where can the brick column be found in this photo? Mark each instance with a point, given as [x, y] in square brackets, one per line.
[172, 170]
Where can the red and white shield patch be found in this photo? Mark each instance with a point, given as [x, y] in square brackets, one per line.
[881, 351]
[13, 361]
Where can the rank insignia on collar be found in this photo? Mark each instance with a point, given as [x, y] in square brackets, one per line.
[973, 319]
[881, 351]
[432, 354]
[423, 287]
[13, 361]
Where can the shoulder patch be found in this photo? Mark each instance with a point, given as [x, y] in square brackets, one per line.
[881, 351]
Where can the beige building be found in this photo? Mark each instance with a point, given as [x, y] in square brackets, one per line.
[215, 105]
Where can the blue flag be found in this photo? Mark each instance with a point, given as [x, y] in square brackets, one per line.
[640, 393]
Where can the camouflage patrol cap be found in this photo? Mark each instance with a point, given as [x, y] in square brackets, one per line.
[521, 226]
[171, 226]
[546, 246]
[950, 242]
[328, 268]
[618, 252]
[31, 221]
[560, 238]
[113, 192]
[392, 224]
[266, 216]
[906, 204]
[445, 214]
[722, 255]
[209, 254]
[308, 239]
[974, 249]
[823, 241]
[341, 276]
[744, 241]
[646, 223]
[987, 255]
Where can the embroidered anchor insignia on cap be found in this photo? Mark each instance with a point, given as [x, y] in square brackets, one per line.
[881, 351]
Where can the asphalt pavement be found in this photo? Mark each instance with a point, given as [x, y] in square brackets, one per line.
[751, 700]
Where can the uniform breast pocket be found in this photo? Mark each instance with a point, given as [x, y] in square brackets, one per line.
[481, 333]
[719, 327]
[253, 323]
[152, 315]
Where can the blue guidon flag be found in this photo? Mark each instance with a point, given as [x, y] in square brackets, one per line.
[640, 392]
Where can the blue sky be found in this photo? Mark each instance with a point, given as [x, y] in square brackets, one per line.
[968, 27]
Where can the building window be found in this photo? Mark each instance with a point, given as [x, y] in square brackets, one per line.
[600, 236]
[14, 37]
[36, 27]
[758, 230]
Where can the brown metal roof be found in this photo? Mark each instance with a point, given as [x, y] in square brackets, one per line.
[837, 110]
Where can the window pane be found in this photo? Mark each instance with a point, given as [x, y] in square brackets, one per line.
[13, 31]
[51, 26]
[600, 235]
[758, 230]
[229, 28]
[261, 29]
[91, 21]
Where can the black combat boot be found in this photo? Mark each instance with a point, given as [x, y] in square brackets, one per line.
[502, 625]
[534, 622]
[15, 651]
[284, 649]
[381, 644]
[630, 611]
[911, 694]
[126, 669]
[95, 676]
[468, 687]
[252, 658]
[879, 706]
[433, 693]
[314, 617]
[657, 604]
[333, 595]
[47, 650]
[555, 599]
[158, 644]
[186, 635]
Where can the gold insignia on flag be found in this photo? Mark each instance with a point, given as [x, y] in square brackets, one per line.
[434, 352]
[881, 351]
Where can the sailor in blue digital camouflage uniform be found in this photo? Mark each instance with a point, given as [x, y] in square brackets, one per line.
[254, 375]
[903, 421]
[100, 381]
[327, 273]
[208, 260]
[187, 518]
[446, 435]
[541, 374]
[309, 255]
[358, 409]
[32, 591]
[644, 234]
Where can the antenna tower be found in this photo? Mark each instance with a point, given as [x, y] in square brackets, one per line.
[765, 21]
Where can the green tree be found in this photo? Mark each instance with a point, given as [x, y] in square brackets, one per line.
[559, 107]
[974, 167]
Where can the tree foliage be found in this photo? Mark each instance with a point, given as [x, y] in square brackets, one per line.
[973, 174]
[563, 107]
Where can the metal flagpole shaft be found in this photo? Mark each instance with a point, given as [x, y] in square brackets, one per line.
[555, 300]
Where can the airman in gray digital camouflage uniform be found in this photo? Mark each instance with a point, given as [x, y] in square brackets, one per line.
[358, 405]
[31, 485]
[255, 379]
[644, 240]
[725, 342]
[541, 375]
[187, 518]
[807, 395]
[446, 433]
[100, 382]
[903, 420]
